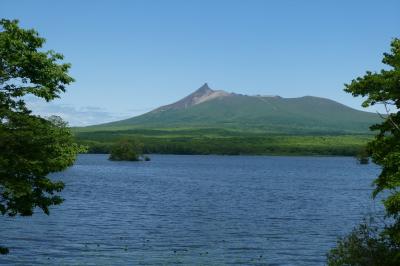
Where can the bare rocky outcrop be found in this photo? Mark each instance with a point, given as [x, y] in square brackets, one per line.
[201, 95]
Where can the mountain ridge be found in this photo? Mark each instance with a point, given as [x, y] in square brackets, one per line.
[202, 94]
[208, 108]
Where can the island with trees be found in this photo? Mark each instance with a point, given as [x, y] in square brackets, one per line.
[128, 150]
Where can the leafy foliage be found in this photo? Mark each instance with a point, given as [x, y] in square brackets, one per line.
[31, 147]
[126, 150]
[365, 245]
[381, 87]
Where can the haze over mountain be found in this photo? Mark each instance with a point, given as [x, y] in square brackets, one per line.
[208, 108]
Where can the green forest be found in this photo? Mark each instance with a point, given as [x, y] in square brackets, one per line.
[225, 142]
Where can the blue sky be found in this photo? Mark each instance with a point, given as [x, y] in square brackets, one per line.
[131, 56]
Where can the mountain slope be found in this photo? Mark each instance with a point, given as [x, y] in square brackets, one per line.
[203, 94]
[207, 108]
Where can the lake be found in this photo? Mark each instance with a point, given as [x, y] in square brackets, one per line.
[195, 210]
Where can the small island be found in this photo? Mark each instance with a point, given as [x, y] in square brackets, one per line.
[128, 150]
[363, 156]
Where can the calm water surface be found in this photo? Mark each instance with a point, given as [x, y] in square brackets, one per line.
[196, 210]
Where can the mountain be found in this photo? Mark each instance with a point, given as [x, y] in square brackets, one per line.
[203, 94]
[208, 108]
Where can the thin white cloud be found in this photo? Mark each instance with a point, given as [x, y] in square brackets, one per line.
[75, 116]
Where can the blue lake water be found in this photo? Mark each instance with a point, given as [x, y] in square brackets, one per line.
[195, 210]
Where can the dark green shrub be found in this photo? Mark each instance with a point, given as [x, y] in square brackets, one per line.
[365, 245]
[126, 150]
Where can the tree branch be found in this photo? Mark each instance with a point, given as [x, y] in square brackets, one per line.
[390, 117]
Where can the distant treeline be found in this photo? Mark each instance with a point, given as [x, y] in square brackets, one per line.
[154, 142]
